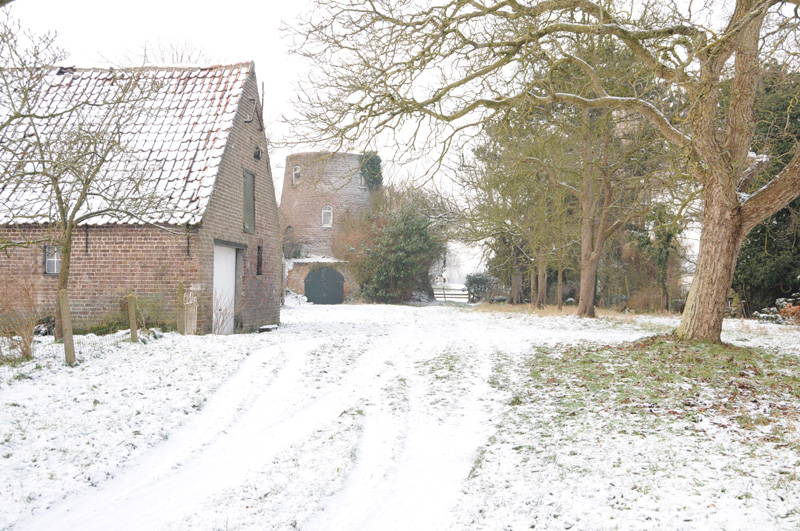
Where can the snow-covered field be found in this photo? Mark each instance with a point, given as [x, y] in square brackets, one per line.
[366, 417]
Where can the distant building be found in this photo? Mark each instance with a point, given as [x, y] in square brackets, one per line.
[322, 192]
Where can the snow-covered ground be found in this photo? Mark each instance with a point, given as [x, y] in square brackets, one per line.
[367, 417]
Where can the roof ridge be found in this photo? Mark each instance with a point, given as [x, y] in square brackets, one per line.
[198, 68]
[176, 142]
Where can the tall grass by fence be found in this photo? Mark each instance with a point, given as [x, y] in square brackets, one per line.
[27, 341]
[47, 352]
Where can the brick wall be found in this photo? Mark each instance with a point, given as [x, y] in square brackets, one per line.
[259, 296]
[106, 261]
[325, 179]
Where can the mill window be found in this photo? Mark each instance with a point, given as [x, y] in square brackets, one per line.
[327, 216]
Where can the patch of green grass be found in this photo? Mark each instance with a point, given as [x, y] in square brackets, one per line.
[748, 421]
[12, 361]
[445, 365]
[669, 377]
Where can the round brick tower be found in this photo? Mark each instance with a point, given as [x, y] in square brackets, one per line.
[320, 191]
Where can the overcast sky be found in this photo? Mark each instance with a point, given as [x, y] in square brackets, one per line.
[228, 31]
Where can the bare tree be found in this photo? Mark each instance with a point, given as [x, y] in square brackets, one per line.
[173, 52]
[389, 64]
[23, 58]
[65, 153]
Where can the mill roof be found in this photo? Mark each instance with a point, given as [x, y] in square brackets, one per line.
[174, 137]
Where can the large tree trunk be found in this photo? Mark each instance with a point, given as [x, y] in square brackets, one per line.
[720, 241]
[587, 290]
[725, 222]
[532, 280]
[515, 296]
[591, 245]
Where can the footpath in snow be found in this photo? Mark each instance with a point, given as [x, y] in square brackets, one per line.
[364, 417]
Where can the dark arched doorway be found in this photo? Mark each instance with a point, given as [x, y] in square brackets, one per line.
[324, 286]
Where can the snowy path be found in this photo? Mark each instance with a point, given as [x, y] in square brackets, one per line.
[410, 455]
[363, 418]
[408, 473]
[210, 453]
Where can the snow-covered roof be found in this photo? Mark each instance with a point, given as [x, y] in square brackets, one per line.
[174, 137]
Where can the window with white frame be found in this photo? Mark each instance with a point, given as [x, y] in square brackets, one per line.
[295, 175]
[52, 260]
[327, 216]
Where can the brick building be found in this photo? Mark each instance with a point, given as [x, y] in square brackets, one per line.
[205, 153]
[322, 192]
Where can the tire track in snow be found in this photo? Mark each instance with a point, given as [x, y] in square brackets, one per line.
[409, 472]
[258, 415]
[211, 453]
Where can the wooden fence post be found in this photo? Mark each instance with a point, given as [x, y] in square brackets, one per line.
[181, 310]
[132, 316]
[66, 327]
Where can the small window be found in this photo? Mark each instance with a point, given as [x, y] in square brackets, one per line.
[295, 175]
[259, 260]
[363, 181]
[52, 260]
[249, 214]
[327, 216]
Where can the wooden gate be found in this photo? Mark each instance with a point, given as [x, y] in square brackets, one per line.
[324, 286]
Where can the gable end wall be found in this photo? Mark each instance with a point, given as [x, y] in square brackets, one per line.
[258, 297]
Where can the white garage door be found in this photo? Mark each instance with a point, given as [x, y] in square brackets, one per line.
[224, 289]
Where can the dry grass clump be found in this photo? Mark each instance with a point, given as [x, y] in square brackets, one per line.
[18, 317]
[527, 309]
[791, 313]
[646, 301]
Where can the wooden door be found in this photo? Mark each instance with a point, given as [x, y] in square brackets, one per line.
[224, 289]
